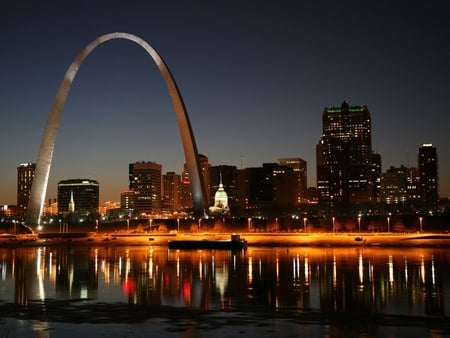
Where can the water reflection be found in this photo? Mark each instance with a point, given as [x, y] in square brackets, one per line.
[322, 281]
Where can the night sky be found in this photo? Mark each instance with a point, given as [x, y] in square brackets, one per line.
[255, 77]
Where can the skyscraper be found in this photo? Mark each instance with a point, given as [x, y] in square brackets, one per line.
[145, 181]
[78, 195]
[206, 175]
[25, 174]
[299, 166]
[347, 169]
[428, 175]
[186, 188]
[171, 192]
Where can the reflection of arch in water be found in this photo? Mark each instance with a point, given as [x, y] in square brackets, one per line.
[40, 180]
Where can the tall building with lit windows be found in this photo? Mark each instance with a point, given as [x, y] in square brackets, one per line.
[145, 181]
[428, 176]
[186, 189]
[78, 195]
[171, 192]
[347, 169]
[299, 166]
[25, 174]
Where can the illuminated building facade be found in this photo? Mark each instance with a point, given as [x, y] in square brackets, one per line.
[78, 195]
[186, 189]
[171, 192]
[205, 168]
[25, 174]
[300, 170]
[127, 200]
[228, 175]
[347, 170]
[394, 185]
[266, 190]
[145, 181]
[428, 176]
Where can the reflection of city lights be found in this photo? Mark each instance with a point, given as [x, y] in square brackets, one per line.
[306, 270]
[187, 292]
[50, 256]
[361, 269]
[278, 269]
[40, 275]
[260, 268]
[433, 277]
[422, 270]
[150, 268]
[221, 279]
[406, 271]
[96, 261]
[128, 286]
[296, 267]
[391, 270]
[334, 271]
[250, 270]
[120, 266]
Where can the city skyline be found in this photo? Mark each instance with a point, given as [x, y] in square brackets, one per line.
[255, 80]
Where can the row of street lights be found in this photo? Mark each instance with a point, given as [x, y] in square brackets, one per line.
[305, 220]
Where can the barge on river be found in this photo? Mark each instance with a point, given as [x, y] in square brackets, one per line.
[234, 243]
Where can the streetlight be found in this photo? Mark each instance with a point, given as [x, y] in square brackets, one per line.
[96, 225]
[359, 223]
[128, 225]
[199, 223]
[420, 222]
[333, 218]
[249, 223]
[389, 227]
[178, 225]
[276, 224]
[304, 224]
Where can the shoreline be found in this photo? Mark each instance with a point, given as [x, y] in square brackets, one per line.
[274, 239]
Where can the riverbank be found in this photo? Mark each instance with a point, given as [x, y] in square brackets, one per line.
[253, 239]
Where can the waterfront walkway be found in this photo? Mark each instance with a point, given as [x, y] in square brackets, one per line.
[253, 239]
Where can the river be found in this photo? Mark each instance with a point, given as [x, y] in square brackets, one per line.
[141, 291]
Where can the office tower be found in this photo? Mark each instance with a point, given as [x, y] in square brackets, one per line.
[127, 200]
[78, 195]
[347, 169]
[25, 174]
[413, 184]
[268, 189]
[206, 173]
[428, 176]
[145, 181]
[171, 192]
[299, 166]
[394, 185]
[186, 189]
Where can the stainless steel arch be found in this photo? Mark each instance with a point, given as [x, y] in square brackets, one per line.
[44, 160]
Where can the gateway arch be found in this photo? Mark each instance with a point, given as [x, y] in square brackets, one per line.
[44, 160]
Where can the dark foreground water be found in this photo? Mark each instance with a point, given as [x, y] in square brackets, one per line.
[262, 292]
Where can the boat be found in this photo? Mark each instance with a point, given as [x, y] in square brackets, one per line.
[234, 243]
